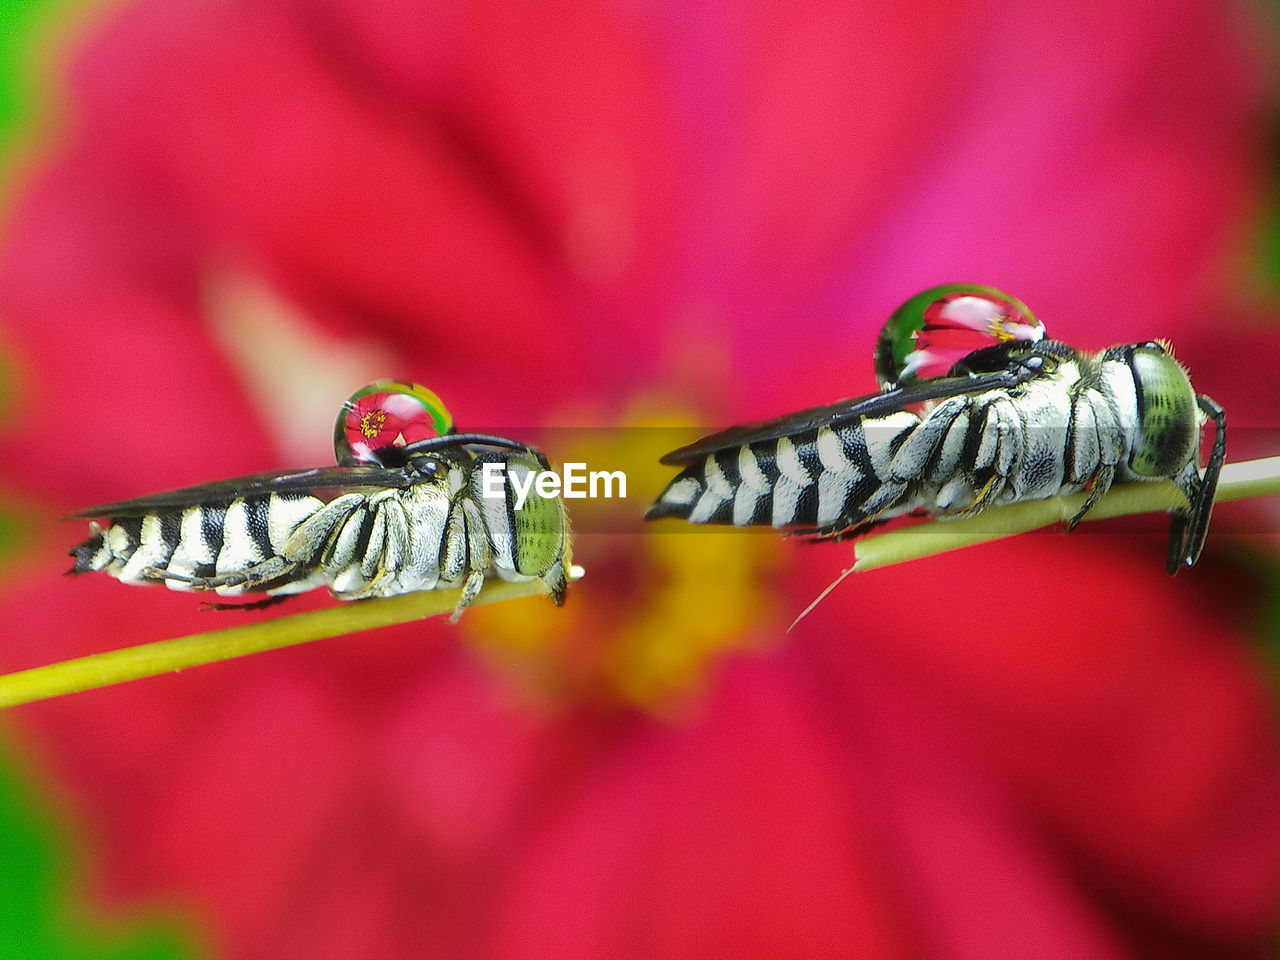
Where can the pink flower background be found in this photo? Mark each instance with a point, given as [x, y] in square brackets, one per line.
[592, 213]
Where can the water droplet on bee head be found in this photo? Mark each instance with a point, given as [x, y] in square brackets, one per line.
[377, 421]
[931, 332]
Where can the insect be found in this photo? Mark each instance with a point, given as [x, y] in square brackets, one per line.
[1018, 418]
[404, 510]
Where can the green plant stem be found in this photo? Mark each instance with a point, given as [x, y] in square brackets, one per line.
[152, 659]
[1239, 481]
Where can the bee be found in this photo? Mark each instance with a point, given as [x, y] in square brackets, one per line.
[403, 510]
[1018, 418]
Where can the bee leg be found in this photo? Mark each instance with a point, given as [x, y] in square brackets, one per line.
[479, 556]
[556, 582]
[250, 578]
[814, 535]
[807, 534]
[251, 605]
[1187, 531]
[840, 531]
[992, 488]
[1101, 483]
[857, 519]
[470, 590]
[1177, 542]
[997, 439]
[160, 574]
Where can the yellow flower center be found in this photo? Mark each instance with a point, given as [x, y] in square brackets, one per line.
[371, 423]
[661, 603]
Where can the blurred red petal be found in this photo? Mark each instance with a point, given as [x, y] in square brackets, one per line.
[1045, 746]
[1129, 720]
[744, 810]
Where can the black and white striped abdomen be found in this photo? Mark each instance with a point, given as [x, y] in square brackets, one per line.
[360, 544]
[202, 546]
[823, 478]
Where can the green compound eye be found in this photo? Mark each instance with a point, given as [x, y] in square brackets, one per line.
[927, 335]
[1169, 427]
[386, 414]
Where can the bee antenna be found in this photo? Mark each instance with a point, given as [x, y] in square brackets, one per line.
[461, 439]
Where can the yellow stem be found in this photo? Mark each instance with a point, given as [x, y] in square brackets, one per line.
[151, 659]
[1239, 481]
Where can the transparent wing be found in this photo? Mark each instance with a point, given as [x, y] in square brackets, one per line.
[323, 482]
[1018, 370]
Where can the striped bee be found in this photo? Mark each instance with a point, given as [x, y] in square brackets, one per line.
[404, 510]
[1017, 420]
